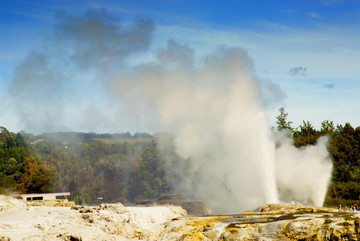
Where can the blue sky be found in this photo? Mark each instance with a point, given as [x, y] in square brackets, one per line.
[309, 48]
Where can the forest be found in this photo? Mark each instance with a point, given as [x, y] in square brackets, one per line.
[130, 168]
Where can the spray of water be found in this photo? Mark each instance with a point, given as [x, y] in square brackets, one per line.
[303, 174]
[214, 107]
[217, 116]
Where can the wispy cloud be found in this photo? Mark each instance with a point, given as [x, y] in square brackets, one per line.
[298, 71]
[329, 86]
[313, 15]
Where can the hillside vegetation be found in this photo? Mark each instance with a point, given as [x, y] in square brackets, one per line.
[129, 168]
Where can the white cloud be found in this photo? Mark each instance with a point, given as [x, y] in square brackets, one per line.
[313, 15]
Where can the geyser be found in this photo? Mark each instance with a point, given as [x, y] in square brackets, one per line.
[220, 126]
[213, 108]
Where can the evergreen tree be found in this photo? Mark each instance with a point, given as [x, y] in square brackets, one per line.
[282, 122]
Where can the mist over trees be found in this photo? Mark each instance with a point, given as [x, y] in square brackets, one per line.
[344, 146]
[130, 168]
[93, 167]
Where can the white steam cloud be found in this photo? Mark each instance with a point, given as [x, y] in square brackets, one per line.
[215, 110]
[220, 126]
[60, 86]
[303, 174]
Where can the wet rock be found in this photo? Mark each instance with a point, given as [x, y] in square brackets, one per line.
[280, 207]
[275, 222]
[212, 234]
[302, 230]
[116, 222]
[193, 207]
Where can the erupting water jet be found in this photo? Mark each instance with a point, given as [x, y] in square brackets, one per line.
[214, 109]
[217, 116]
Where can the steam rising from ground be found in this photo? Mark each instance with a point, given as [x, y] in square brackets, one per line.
[303, 174]
[214, 109]
[220, 126]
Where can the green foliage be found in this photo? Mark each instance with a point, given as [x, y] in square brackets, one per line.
[148, 176]
[35, 177]
[86, 199]
[307, 135]
[344, 146]
[281, 121]
[327, 128]
[120, 167]
[78, 200]
[345, 149]
[13, 149]
[98, 168]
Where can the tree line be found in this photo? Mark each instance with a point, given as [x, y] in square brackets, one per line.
[129, 168]
[93, 167]
[344, 147]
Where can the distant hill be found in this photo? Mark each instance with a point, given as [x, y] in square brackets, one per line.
[85, 137]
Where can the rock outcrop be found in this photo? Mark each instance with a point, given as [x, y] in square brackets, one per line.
[117, 222]
[8, 203]
[272, 222]
[104, 222]
[52, 203]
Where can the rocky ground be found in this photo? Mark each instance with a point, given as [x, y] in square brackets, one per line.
[58, 221]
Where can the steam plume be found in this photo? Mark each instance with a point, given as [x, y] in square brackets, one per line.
[303, 174]
[49, 87]
[214, 110]
[220, 126]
